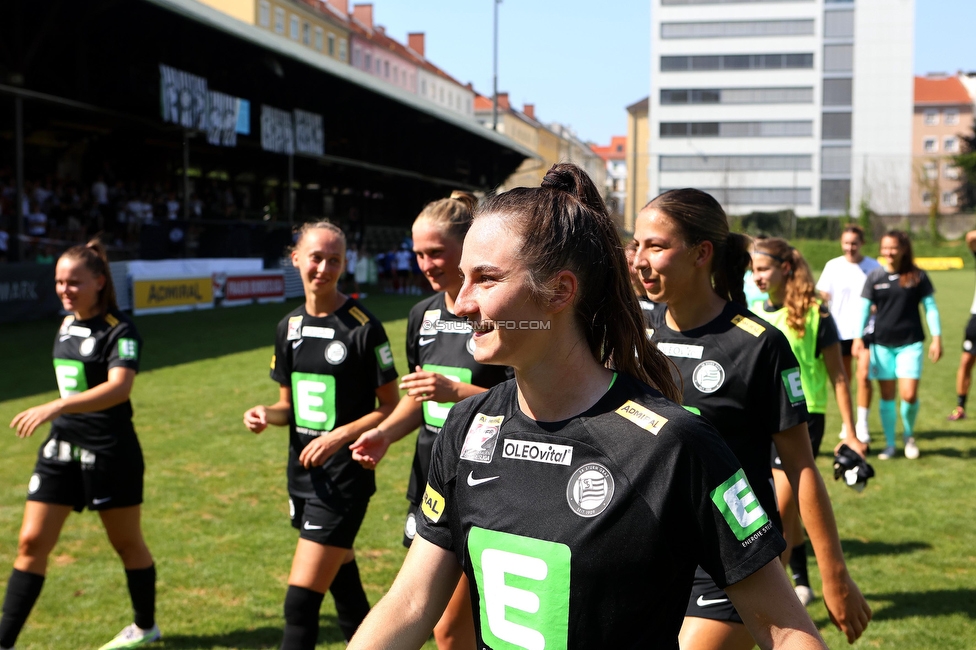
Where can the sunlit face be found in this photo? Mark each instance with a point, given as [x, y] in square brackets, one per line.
[496, 297]
[320, 260]
[663, 260]
[438, 256]
[891, 252]
[851, 244]
[768, 274]
[635, 278]
[77, 287]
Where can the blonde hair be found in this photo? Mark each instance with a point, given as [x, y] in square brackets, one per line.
[95, 259]
[452, 215]
[324, 224]
[801, 293]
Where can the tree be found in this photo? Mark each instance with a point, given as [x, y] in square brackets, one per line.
[966, 162]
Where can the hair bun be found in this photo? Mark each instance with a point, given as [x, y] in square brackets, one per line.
[469, 200]
[569, 178]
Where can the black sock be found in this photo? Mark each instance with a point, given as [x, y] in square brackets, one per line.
[798, 565]
[350, 599]
[142, 591]
[301, 618]
[961, 401]
[22, 592]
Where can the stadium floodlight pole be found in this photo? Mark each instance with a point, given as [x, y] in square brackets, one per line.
[494, 100]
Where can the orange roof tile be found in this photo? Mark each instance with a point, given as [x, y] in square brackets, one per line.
[947, 90]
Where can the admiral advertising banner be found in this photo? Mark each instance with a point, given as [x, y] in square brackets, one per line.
[154, 296]
[231, 289]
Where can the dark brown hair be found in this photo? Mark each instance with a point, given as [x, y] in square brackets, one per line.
[452, 215]
[565, 225]
[324, 224]
[801, 293]
[910, 275]
[93, 256]
[856, 229]
[699, 217]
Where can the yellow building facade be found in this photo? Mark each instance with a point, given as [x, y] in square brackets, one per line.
[638, 155]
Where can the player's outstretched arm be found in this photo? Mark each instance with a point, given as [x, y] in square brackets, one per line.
[257, 418]
[771, 611]
[847, 607]
[406, 615]
[115, 390]
[372, 445]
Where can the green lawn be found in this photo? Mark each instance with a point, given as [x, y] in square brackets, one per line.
[216, 514]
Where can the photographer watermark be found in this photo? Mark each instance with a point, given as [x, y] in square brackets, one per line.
[484, 325]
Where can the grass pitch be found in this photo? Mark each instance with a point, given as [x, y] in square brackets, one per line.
[216, 512]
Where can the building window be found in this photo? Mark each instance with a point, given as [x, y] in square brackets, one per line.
[839, 24]
[737, 29]
[835, 194]
[736, 62]
[369, 61]
[951, 116]
[780, 196]
[264, 13]
[951, 172]
[294, 28]
[926, 198]
[951, 144]
[835, 160]
[343, 49]
[318, 39]
[331, 42]
[306, 34]
[379, 67]
[386, 69]
[396, 74]
[930, 145]
[836, 126]
[931, 117]
[931, 170]
[838, 58]
[423, 87]
[704, 163]
[737, 96]
[838, 92]
[949, 199]
[279, 20]
[797, 128]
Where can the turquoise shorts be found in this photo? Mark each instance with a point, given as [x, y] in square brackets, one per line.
[904, 362]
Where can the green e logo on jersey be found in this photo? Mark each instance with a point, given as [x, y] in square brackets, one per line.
[314, 398]
[436, 412]
[523, 585]
[384, 356]
[128, 349]
[71, 377]
[739, 505]
[794, 388]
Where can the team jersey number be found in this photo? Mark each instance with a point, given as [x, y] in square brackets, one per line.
[314, 400]
[523, 584]
[436, 412]
[71, 377]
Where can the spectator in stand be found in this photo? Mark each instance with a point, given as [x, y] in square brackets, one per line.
[401, 264]
[4, 243]
[36, 221]
[965, 372]
[172, 207]
[352, 258]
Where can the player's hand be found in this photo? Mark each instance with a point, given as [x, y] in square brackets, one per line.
[848, 609]
[855, 444]
[27, 421]
[935, 349]
[370, 447]
[319, 450]
[857, 347]
[426, 386]
[256, 419]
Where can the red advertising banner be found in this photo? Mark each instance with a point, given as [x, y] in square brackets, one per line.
[232, 289]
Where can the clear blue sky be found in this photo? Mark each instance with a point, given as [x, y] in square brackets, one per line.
[581, 62]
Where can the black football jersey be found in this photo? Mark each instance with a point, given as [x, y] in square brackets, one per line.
[438, 341]
[897, 321]
[586, 533]
[84, 351]
[740, 374]
[333, 366]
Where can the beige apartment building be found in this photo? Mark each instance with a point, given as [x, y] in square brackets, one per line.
[943, 113]
[638, 155]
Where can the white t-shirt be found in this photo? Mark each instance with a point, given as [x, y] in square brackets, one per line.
[844, 282]
[352, 256]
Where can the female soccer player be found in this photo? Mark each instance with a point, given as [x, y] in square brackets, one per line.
[440, 349]
[840, 285]
[577, 499]
[332, 362]
[92, 457]
[896, 290]
[968, 358]
[739, 373]
[794, 309]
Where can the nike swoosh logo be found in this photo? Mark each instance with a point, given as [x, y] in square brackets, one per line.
[424, 341]
[98, 502]
[705, 603]
[472, 481]
[309, 526]
[295, 344]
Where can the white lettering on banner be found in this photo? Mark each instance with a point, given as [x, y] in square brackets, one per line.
[18, 290]
[538, 452]
[183, 97]
[681, 350]
[277, 130]
[500, 596]
[309, 133]
[307, 399]
[242, 288]
[222, 119]
[739, 505]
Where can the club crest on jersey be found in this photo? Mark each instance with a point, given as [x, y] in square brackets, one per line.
[479, 443]
[335, 352]
[590, 490]
[294, 328]
[87, 346]
[708, 376]
[643, 417]
[410, 527]
[428, 326]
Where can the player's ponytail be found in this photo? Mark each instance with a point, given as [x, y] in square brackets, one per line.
[452, 216]
[699, 218]
[95, 259]
[564, 225]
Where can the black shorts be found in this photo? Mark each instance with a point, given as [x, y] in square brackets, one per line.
[66, 474]
[321, 524]
[969, 341]
[815, 427]
[845, 347]
[708, 600]
[410, 525]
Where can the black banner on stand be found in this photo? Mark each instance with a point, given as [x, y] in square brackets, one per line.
[27, 292]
